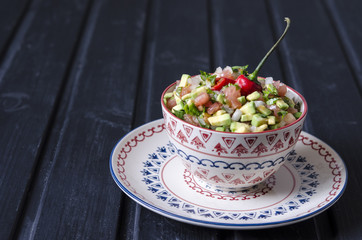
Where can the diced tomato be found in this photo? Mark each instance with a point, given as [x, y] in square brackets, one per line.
[171, 103]
[232, 94]
[214, 108]
[184, 91]
[281, 88]
[201, 99]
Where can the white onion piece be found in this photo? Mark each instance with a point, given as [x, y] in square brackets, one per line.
[252, 128]
[236, 115]
[259, 103]
[269, 80]
[218, 72]
[194, 81]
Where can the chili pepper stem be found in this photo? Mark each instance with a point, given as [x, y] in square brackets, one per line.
[254, 75]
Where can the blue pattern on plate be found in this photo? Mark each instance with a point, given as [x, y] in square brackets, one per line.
[151, 170]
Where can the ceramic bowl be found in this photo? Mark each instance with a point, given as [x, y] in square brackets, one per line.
[225, 161]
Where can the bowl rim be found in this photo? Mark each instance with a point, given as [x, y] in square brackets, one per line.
[233, 133]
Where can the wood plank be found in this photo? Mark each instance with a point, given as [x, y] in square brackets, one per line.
[74, 195]
[11, 13]
[315, 62]
[346, 20]
[176, 43]
[30, 82]
[241, 39]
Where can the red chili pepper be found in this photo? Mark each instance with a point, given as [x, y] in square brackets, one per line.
[222, 82]
[247, 86]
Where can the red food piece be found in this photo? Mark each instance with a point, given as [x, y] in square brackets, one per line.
[201, 99]
[213, 108]
[222, 82]
[281, 88]
[247, 86]
[171, 103]
[232, 94]
[184, 91]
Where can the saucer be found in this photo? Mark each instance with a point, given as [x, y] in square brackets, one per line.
[145, 166]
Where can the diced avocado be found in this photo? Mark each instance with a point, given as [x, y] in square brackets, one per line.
[220, 129]
[196, 92]
[272, 101]
[189, 102]
[282, 105]
[220, 112]
[246, 117]
[297, 115]
[167, 96]
[261, 128]
[177, 98]
[183, 81]
[271, 88]
[242, 99]
[262, 109]
[186, 96]
[221, 120]
[289, 101]
[220, 98]
[275, 126]
[248, 108]
[178, 107]
[258, 120]
[239, 127]
[253, 96]
[271, 120]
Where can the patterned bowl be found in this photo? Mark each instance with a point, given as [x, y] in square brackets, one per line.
[225, 161]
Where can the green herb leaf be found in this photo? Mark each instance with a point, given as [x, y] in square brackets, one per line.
[179, 114]
[192, 110]
[272, 101]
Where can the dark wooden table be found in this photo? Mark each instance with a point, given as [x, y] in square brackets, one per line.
[76, 76]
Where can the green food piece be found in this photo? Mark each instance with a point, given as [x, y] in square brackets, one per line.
[183, 81]
[208, 77]
[275, 126]
[272, 101]
[282, 113]
[191, 109]
[240, 69]
[297, 115]
[220, 129]
[254, 75]
[289, 101]
[262, 109]
[253, 96]
[272, 89]
[179, 114]
[239, 127]
[186, 96]
[248, 108]
[221, 98]
[282, 105]
[167, 96]
[221, 120]
[246, 117]
[271, 120]
[261, 128]
[258, 120]
[197, 91]
[242, 99]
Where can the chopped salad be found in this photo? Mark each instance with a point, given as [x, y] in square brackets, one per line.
[227, 100]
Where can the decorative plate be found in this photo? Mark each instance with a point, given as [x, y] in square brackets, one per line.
[144, 165]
